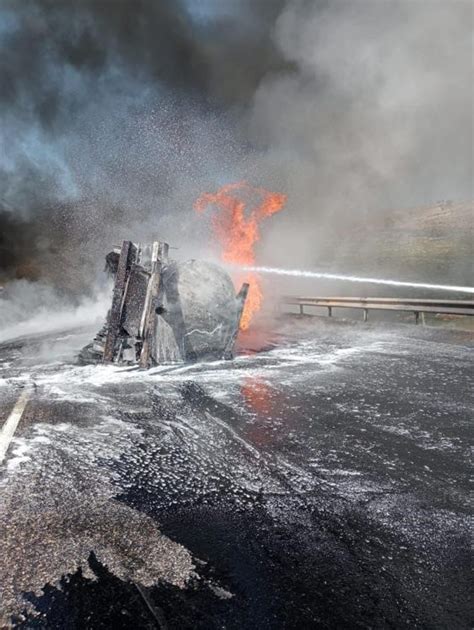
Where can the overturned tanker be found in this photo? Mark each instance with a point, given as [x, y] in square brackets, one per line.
[165, 311]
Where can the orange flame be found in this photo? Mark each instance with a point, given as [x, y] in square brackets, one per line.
[237, 231]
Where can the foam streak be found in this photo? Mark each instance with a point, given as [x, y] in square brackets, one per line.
[301, 273]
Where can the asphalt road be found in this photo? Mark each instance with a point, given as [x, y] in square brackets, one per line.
[318, 481]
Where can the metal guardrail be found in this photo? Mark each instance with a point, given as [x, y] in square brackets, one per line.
[415, 306]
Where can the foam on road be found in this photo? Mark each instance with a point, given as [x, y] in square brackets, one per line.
[340, 450]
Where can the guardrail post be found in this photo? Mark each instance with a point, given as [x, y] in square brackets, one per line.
[417, 316]
[366, 314]
[301, 310]
[329, 311]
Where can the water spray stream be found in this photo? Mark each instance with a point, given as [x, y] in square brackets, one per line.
[301, 273]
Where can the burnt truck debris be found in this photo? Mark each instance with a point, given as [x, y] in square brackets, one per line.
[164, 311]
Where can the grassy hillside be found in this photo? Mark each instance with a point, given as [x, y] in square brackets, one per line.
[432, 244]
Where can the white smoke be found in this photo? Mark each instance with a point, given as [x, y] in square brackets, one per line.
[375, 115]
[30, 308]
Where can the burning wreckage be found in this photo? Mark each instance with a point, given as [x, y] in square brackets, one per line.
[165, 311]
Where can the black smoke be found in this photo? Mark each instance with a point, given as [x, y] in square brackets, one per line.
[110, 109]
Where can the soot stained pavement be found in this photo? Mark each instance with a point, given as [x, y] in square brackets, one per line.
[319, 482]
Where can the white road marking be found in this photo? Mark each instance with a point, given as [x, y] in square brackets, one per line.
[11, 423]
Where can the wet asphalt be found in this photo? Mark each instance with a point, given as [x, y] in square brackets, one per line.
[321, 480]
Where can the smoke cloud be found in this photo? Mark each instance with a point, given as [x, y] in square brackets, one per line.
[376, 117]
[116, 118]
[34, 308]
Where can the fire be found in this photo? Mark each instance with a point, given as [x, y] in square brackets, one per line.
[238, 230]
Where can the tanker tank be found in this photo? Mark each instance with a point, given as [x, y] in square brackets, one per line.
[166, 312]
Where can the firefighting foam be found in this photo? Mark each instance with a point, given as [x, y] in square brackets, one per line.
[236, 225]
[302, 273]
